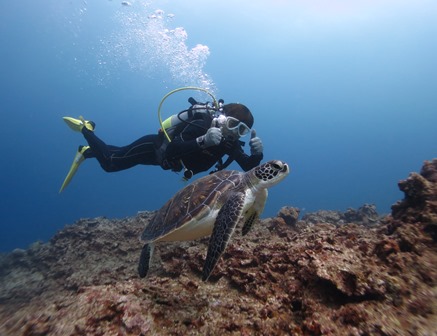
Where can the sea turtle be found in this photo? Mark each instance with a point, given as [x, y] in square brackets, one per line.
[212, 205]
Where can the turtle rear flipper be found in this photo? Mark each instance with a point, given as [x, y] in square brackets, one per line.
[144, 264]
[224, 227]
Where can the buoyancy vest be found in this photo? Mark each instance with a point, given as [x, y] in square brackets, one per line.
[174, 125]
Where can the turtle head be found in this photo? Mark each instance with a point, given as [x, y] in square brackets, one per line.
[270, 173]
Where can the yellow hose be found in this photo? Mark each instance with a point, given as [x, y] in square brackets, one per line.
[177, 90]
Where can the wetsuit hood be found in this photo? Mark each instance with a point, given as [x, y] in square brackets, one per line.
[240, 112]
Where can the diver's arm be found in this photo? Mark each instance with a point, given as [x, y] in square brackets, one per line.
[245, 161]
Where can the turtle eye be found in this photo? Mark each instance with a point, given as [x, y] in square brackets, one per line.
[277, 165]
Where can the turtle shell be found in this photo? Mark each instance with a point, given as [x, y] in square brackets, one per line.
[198, 203]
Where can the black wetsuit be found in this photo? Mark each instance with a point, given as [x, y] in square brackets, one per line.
[113, 158]
[183, 147]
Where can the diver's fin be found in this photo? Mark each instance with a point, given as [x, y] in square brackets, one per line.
[77, 124]
[78, 159]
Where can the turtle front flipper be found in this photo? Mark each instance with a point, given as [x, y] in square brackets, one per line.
[253, 213]
[224, 227]
[251, 218]
[146, 255]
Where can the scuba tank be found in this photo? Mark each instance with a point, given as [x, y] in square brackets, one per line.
[172, 123]
[175, 124]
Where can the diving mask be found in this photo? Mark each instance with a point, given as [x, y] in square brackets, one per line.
[236, 126]
[232, 128]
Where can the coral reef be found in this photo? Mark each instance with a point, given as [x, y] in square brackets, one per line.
[329, 273]
[420, 202]
[365, 215]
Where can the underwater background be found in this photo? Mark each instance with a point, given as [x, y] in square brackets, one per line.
[345, 92]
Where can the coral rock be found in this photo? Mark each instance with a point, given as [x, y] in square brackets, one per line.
[420, 202]
[289, 215]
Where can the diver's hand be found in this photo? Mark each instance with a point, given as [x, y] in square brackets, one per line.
[213, 137]
[255, 143]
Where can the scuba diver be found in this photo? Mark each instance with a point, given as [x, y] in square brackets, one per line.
[194, 140]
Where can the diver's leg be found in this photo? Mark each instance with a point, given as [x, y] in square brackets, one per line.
[113, 158]
[99, 149]
[141, 151]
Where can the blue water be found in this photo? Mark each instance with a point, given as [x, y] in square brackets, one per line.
[345, 93]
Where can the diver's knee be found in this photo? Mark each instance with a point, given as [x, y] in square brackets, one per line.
[109, 168]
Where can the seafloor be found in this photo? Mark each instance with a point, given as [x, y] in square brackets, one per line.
[328, 273]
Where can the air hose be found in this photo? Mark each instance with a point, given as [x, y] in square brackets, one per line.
[177, 90]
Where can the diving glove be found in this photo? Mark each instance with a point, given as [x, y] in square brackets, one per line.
[255, 143]
[213, 137]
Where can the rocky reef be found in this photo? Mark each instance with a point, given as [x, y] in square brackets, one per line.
[327, 273]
